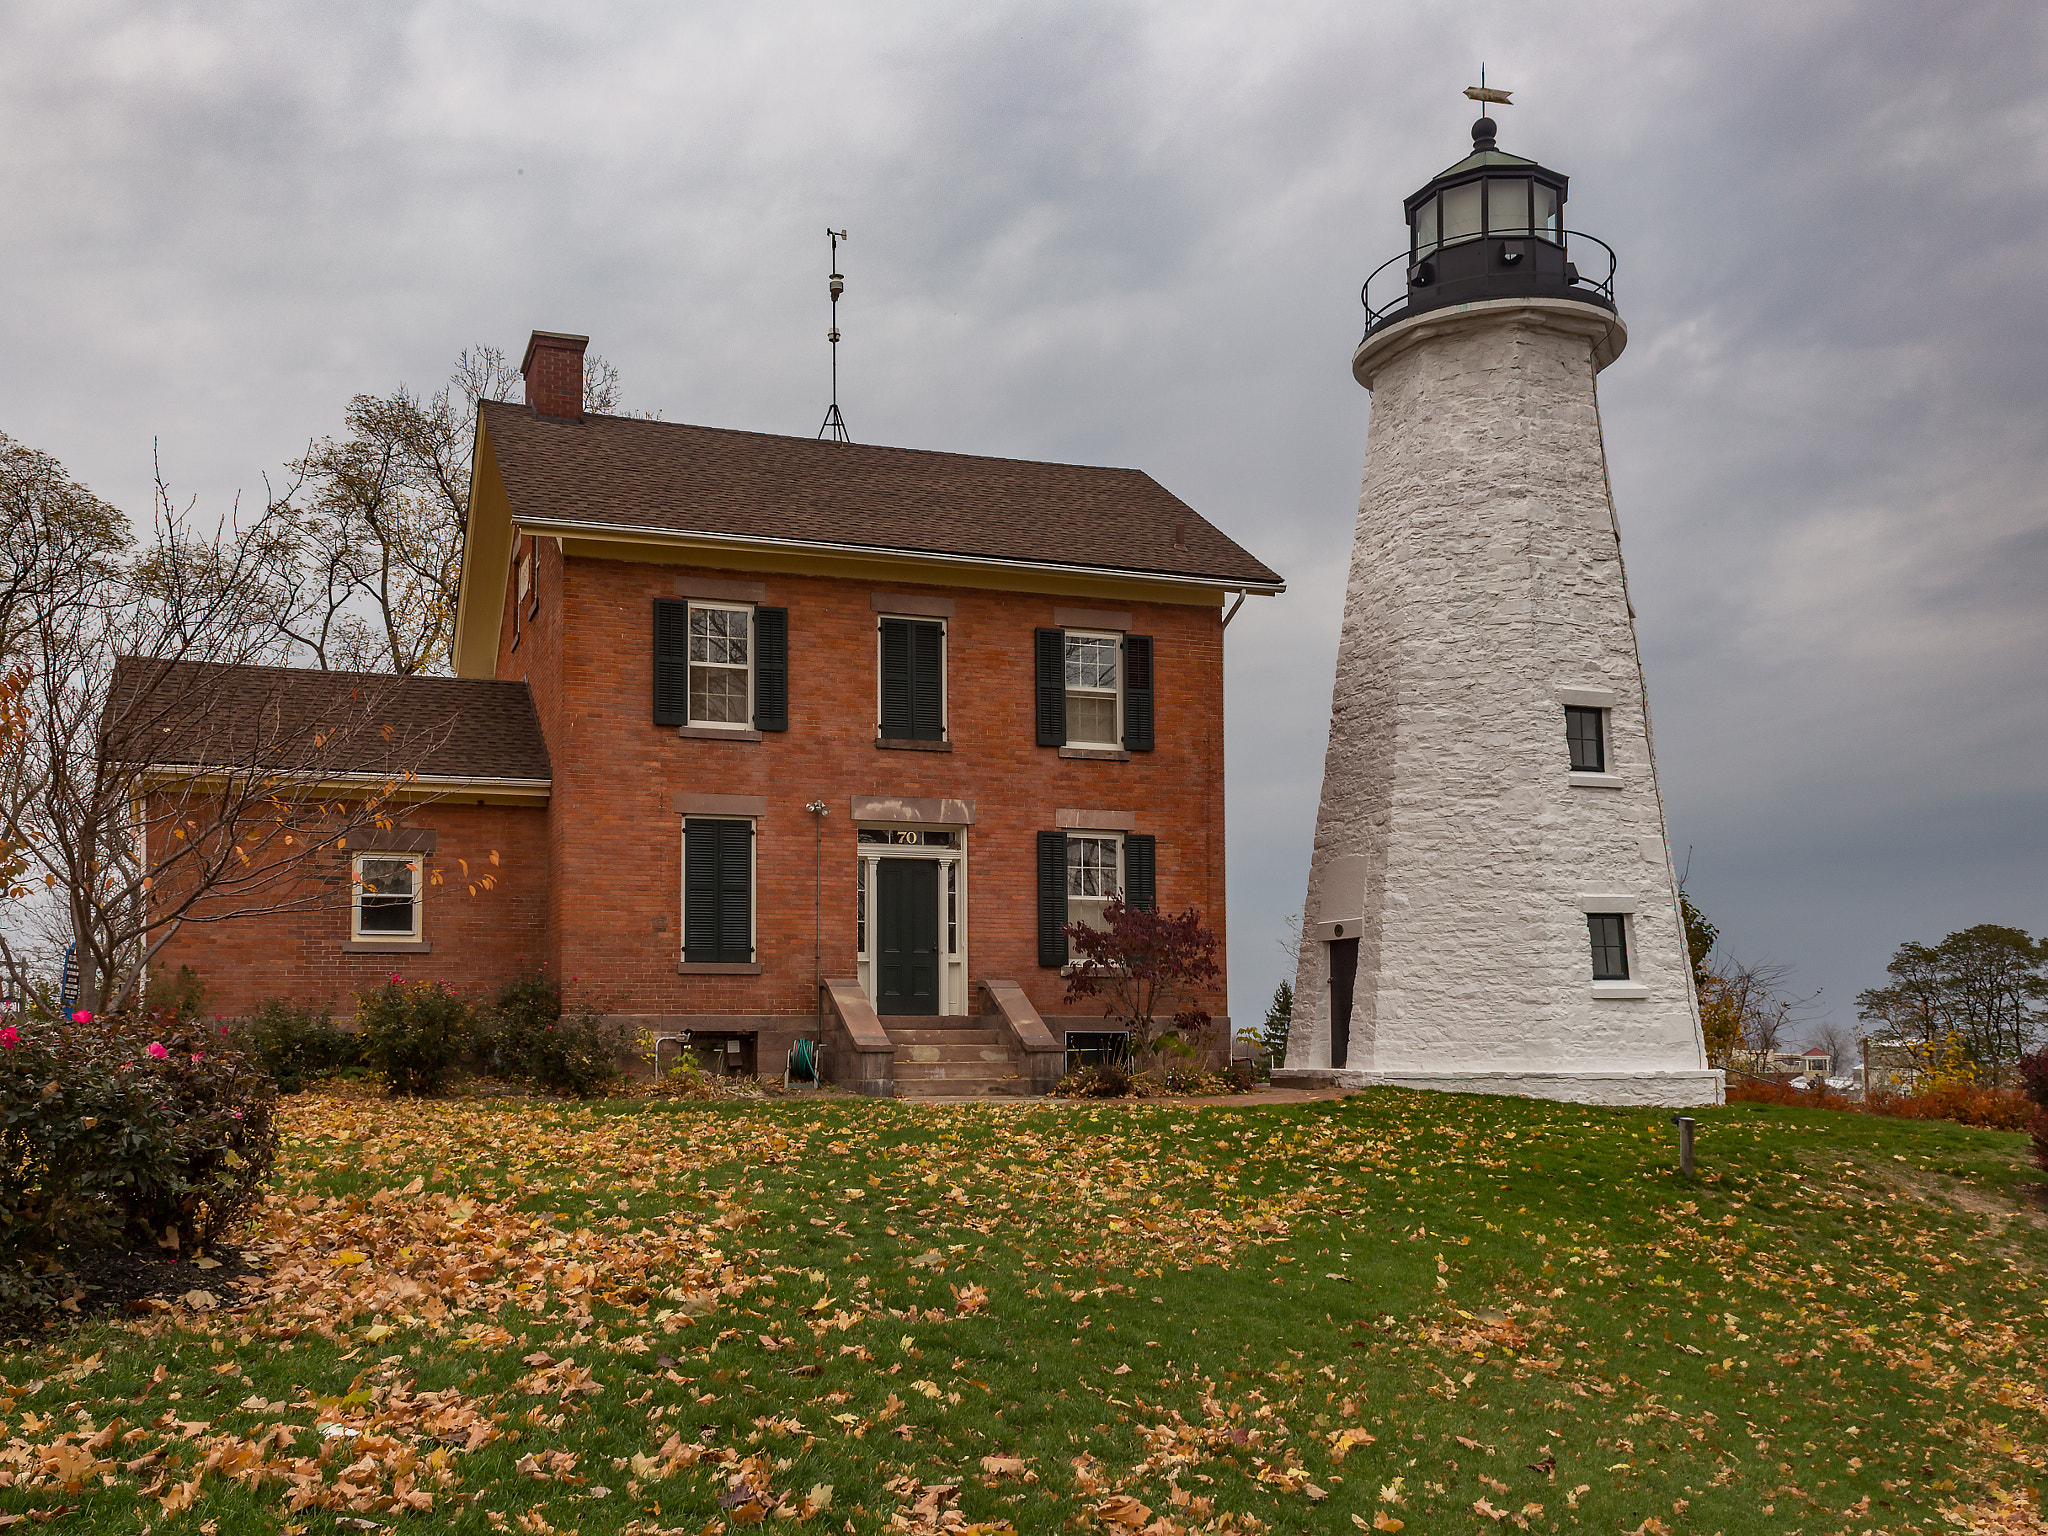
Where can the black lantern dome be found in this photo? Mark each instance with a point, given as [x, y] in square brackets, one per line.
[1489, 227]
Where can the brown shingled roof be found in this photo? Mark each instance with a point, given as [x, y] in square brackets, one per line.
[670, 478]
[206, 714]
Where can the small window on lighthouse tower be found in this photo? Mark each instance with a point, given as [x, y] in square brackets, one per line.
[1609, 932]
[1583, 731]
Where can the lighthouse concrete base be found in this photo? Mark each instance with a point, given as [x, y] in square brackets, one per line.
[1673, 1090]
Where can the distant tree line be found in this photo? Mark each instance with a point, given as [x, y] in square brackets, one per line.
[1969, 1007]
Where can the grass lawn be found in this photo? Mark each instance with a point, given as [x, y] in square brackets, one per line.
[1457, 1314]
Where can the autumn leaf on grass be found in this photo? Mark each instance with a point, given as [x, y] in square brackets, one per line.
[1494, 1483]
[1087, 1474]
[1123, 1510]
[968, 1299]
[1472, 1445]
[1482, 1507]
[816, 1502]
[1651, 1527]
[1003, 1466]
[1343, 1440]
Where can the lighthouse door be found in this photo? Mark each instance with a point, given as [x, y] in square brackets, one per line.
[1343, 978]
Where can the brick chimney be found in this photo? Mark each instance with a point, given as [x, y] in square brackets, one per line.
[553, 370]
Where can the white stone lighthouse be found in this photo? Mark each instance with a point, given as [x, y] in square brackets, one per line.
[1491, 905]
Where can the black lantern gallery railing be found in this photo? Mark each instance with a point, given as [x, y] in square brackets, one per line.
[1420, 289]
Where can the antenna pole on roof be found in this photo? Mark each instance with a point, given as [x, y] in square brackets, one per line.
[835, 424]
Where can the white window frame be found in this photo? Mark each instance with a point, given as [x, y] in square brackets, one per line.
[1116, 839]
[690, 664]
[1116, 639]
[355, 906]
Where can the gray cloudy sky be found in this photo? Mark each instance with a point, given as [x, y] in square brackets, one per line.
[1133, 234]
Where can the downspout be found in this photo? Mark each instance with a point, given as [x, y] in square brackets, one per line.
[818, 812]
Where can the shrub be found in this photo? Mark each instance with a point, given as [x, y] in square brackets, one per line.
[529, 1039]
[1148, 966]
[1996, 1109]
[577, 1056]
[1755, 1090]
[135, 1129]
[414, 1035]
[296, 1044]
[2034, 1074]
[1107, 1080]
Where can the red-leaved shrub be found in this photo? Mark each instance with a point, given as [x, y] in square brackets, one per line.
[2034, 1073]
[1754, 1090]
[1995, 1109]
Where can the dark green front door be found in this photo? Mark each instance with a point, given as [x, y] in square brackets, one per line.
[907, 931]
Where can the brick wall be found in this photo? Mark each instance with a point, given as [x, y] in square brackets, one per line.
[479, 939]
[614, 909]
[592, 885]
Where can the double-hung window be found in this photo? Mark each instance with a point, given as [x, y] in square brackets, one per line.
[721, 667]
[1093, 877]
[911, 696]
[387, 896]
[1094, 688]
[1585, 735]
[1609, 934]
[1078, 875]
[718, 891]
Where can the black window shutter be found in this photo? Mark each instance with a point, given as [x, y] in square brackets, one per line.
[771, 669]
[1137, 693]
[1052, 687]
[1052, 899]
[895, 678]
[1141, 871]
[736, 891]
[700, 890]
[718, 892]
[671, 662]
[928, 682]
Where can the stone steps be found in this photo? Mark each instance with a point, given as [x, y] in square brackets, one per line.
[954, 1058]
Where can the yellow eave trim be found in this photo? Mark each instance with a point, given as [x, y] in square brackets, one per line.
[486, 563]
[412, 788]
[861, 561]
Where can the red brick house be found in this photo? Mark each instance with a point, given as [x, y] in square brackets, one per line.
[764, 730]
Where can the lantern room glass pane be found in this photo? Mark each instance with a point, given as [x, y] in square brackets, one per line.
[1546, 211]
[1460, 213]
[1425, 228]
[1507, 205]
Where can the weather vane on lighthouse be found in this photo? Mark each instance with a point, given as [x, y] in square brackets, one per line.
[835, 424]
[1483, 92]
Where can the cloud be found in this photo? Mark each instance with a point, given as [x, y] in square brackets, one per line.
[1134, 235]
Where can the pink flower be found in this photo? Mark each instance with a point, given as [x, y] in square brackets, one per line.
[236, 1113]
[198, 1056]
[126, 1066]
[156, 1049]
[10, 1037]
[396, 978]
[81, 1017]
[223, 1028]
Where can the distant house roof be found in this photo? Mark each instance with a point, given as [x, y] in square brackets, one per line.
[211, 715]
[668, 478]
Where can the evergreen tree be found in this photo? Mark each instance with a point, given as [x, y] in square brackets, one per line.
[1279, 1015]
